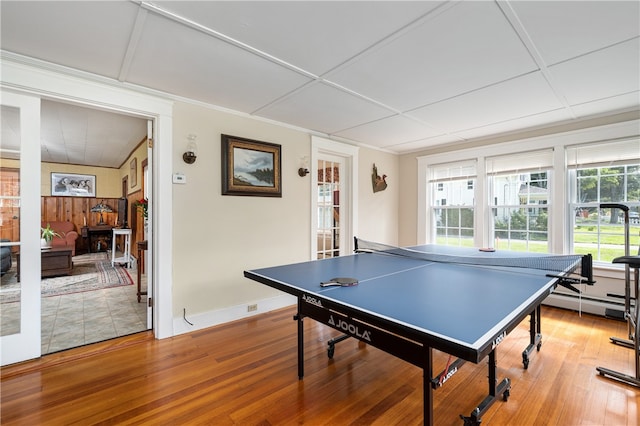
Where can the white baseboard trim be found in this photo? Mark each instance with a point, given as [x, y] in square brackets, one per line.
[232, 313]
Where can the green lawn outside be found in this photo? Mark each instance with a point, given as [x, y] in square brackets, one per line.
[609, 234]
[585, 237]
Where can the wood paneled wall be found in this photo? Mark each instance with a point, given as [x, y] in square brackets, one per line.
[78, 209]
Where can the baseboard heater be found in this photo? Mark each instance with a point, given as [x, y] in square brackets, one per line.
[615, 313]
[589, 304]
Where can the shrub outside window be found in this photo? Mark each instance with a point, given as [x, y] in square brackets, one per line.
[601, 231]
[453, 198]
[454, 214]
[520, 211]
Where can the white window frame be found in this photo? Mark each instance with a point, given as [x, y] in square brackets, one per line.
[462, 172]
[516, 164]
[605, 154]
[559, 230]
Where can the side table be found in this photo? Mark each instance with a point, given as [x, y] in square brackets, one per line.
[126, 249]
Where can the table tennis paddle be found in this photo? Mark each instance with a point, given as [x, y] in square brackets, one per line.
[340, 282]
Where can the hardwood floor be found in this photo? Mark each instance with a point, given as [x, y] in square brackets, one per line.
[244, 373]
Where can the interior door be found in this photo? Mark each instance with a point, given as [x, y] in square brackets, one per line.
[330, 230]
[20, 204]
[334, 201]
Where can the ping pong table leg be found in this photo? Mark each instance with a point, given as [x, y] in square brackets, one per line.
[535, 335]
[495, 389]
[427, 371]
[300, 320]
[300, 346]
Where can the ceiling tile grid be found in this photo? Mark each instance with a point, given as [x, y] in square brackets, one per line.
[563, 30]
[389, 131]
[187, 62]
[520, 97]
[400, 76]
[468, 46]
[322, 107]
[601, 74]
[305, 34]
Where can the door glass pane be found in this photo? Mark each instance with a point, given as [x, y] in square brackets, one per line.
[328, 195]
[10, 290]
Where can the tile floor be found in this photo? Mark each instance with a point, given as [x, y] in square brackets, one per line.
[81, 318]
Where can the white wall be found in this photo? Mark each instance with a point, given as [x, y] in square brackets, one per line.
[408, 201]
[216, 237]
[378, 212]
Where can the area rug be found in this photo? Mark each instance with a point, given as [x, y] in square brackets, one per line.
[90, 272]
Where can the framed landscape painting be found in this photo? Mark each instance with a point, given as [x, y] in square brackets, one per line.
[250, 167]
[73, 185]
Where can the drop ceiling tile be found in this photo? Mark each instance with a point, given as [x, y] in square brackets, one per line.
[323, 108]
[470, 45]
[313, 35]
[426, 143]
[60, 158]
[517, 124]
[563, 30]
[177, 59]
[520, 97]
[89, 36]
[389, 131]
[603, 106]
[602, 74]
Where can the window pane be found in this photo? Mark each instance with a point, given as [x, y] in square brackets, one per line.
[454, 226]
[600, 232]
[520, 212]
[588, 189]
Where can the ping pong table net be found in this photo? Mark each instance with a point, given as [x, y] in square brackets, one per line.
[577, 264]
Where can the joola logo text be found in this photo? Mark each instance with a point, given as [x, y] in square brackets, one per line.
[350, 328]
[312, 300]
[451, 372]
[499, 339]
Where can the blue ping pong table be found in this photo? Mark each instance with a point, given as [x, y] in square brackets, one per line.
[408, 307]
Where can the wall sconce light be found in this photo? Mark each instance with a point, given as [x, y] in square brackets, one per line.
[304, 167]
[191, 153]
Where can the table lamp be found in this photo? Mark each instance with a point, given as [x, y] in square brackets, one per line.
[101, 208]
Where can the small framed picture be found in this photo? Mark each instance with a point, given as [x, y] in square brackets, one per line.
[73, 185]
[133, 172]
[250, 167]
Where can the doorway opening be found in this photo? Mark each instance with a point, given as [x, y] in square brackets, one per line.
[95, 298]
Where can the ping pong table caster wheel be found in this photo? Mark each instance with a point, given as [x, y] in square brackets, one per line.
[525, 363]
[505, 395]
[472, 420]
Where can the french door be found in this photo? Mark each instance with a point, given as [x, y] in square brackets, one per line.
[334, 198]
[20, 226]
[329, 194]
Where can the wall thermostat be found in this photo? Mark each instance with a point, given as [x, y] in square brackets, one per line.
[179, 178]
